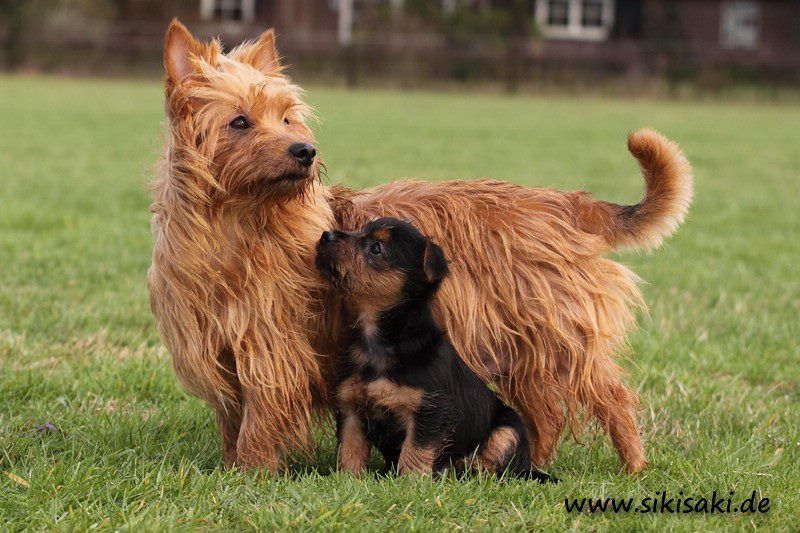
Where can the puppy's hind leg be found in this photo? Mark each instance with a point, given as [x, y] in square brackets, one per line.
[507, 450]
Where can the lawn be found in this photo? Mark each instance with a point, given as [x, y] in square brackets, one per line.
[95, 431]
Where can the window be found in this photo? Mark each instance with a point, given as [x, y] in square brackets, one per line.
[228, 10]
[575, 19]
[592, 14]
[739, 24]
[558, 12]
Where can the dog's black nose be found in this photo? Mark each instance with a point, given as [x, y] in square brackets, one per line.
[330, 236]
[304, 153]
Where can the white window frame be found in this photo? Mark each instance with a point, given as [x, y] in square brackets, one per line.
[575, 29]
[248, 7]
[734, 35]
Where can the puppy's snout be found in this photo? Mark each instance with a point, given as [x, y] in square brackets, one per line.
[304, 153]
[329, 254]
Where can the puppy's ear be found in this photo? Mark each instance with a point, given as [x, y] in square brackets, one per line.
[262, 54]
[179, 44]
[434, 263]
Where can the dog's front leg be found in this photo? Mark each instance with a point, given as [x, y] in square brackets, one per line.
[229, 412]
[229, 420]
[257, 446]
[353, 450]
[426, 430]
[423, 443]
[353, 445]
[416, 458]
[277, 399]
[268, 427]
[419, 451]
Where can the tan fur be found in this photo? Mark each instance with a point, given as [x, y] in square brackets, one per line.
[364, 289]
[415, 459]
[668, 195]
[399, 399]
[350, 393]
[531, 304]
[233, 265]
[354, 447]
[498, 448]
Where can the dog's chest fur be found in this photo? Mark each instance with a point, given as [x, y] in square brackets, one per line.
[269, 269]
[243, 282]
[371, 357]
[377, 394]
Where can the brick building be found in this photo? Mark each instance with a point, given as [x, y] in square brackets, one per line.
[612, 37]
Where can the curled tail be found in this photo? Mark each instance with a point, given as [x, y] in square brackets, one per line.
[668, 194]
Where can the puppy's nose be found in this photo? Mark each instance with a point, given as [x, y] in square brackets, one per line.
[304, 153]
[330, 236]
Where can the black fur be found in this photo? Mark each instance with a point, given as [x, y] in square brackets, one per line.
[458, 412]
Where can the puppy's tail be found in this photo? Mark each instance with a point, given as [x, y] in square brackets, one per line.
[667, 196]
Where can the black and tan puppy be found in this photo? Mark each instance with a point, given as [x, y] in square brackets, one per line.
[403, 388]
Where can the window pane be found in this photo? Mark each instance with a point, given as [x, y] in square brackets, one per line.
[228, 10]
[558, 12]
[592, 13]
[739, 24]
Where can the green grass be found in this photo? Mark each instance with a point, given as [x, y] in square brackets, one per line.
[716, 361]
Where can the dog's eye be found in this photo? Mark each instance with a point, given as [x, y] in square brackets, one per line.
[376, 248]
[286, 121]
[240, 123]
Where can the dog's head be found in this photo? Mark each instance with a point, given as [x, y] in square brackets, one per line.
[384, 264]
[237, 125]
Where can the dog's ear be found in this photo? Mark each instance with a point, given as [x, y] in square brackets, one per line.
[434, 263]
[262, 54]
[179, 45]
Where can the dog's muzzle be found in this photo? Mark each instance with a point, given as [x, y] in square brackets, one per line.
[327, 253]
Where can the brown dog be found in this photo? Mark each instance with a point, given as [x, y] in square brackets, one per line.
[238, 208]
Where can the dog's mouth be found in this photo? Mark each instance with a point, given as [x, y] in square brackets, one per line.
[334, 276]
[328, 267]
[292, 176]
[281, 187]
[330, 273]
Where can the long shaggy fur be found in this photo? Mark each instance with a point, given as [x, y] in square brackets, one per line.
[252, 329]
[233, 283]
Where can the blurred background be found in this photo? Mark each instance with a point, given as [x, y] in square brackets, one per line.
[95, 431]
[664, 46]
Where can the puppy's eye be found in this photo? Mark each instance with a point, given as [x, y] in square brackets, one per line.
[286, 121]
[376, 248]
[239, 123]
